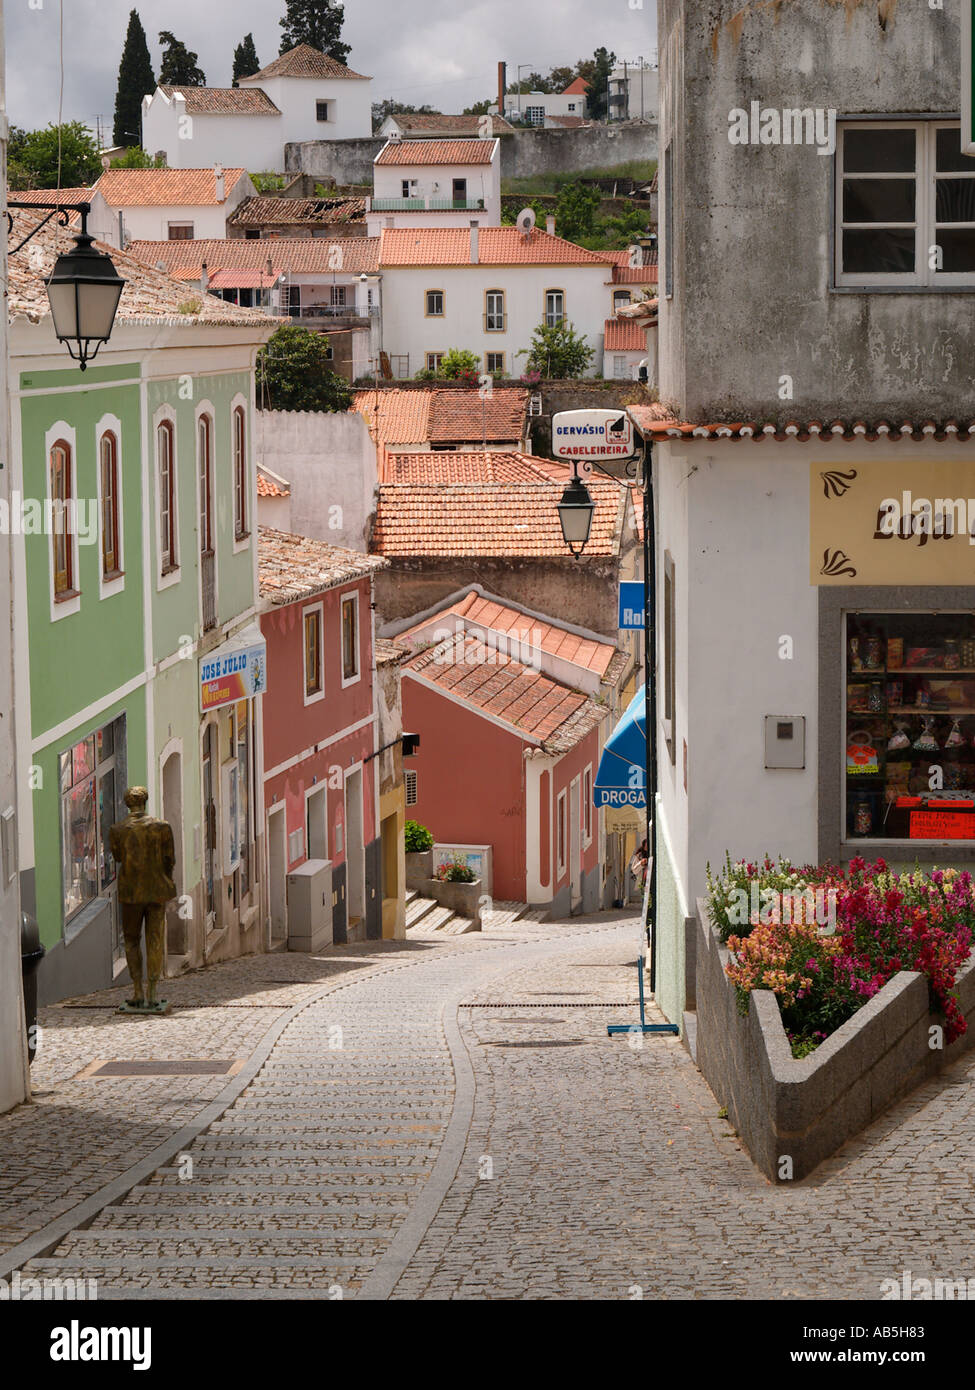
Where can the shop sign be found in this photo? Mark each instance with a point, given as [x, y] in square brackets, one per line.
[883, 522]
[941, 825]
[592, 434]
[633, 602]
[235, 671]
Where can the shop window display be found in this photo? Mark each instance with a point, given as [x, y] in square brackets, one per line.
[910, 726]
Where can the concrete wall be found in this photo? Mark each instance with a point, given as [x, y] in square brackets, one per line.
[804, 1110]
[525, 154]
[868, 354]
[330, 462]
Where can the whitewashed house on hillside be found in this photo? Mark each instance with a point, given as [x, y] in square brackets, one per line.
[435, 183]
[172, 204]
[303, 95]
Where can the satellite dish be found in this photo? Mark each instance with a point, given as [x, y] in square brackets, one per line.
[525, 221]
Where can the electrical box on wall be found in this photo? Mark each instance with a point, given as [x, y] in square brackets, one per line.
[785, 740]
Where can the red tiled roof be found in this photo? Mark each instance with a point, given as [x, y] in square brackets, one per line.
[270, 487]
[395, 417]
[304, 61]
[491, 614]
[530, 703]
[435, 152]
[165, 187]
[53, 195]
[577, 87]
[429, 246]
[660, 423]
[467, 466]
[295, 567]
[635, 275]
[240, 280]
[311, 255]
[442, 416]
[265, 210]
[445, 126]
[224, 101]
[468, 519]
[624, 335]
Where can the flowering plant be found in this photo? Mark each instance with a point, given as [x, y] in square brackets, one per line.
[456, 872]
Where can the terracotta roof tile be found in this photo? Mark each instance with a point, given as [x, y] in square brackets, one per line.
[443, 416]
[468, 519]
[413, 152]
[417, 122]
[657, 422]
[271, 487]
[148, 294]
[165, 187]
[312, 255]
[395, 417]
[305, 61]
[460, 466]
[532, 704]
[577, 87]
[635, 275]
[223, 101]
[623, 335]
[295, 567]
[423, 246]
[264, 210]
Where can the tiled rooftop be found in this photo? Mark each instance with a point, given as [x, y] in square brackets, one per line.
[429, 246]
[458, 126]
[165, 187]
[624, 335]
[490, 519]
[148, 293]
[271, 487]
[413, 152]
[658, 422]
[577, 87]
[223, 101]
[480, 611]
[311, 255]
[467, 466]
[305, 61]
[533, 705]
[265, 210]
[290, 567]
[443, 416]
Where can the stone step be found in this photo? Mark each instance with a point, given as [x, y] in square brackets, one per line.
[418, 909]
[458, 926]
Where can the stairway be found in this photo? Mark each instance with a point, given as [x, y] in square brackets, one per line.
[426, 917]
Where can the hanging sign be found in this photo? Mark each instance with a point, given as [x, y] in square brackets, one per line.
[235, 671]
[592, 434]
[633, 603]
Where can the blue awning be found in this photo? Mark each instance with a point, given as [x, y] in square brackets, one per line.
[622, 776]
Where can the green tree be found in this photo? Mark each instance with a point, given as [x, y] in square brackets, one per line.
[33, 157]
[136, 158]
[595, 71]
[294, 373]
[534, 82]
[179, 65]
[460, 365]
[391, 107]
[316, 22]
[560, 78]
[135, 81]
[246, 61]
[558, 352]
[480, 108]
[268, 182]
[575, 210]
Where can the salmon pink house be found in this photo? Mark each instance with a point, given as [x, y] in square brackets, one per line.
[514, 703]
[320, 736]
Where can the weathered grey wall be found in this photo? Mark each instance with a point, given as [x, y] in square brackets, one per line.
[526, 154]
[582, 593]
[330, 462]
[752, 231]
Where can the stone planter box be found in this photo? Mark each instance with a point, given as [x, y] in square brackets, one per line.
[462, 898]
[419, 868]
[805, 1110]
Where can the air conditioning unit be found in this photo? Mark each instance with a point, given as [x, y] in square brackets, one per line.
[310, 906]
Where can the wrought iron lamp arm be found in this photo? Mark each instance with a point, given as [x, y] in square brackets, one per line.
[59, 210]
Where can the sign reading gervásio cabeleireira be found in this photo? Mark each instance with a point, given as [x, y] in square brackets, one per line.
[592, 434]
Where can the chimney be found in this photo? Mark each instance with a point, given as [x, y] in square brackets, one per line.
[474, 245]
[502, 83]
[204, 277]
[550, 225]
[220, 182]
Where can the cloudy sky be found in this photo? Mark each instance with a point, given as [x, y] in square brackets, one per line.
[434, 52]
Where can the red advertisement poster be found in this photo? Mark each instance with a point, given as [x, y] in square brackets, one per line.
[942, 825]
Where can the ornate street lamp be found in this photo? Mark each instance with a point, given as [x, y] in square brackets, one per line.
[575, 514]
[83, 289]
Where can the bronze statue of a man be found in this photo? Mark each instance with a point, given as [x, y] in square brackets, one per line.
[144, 851]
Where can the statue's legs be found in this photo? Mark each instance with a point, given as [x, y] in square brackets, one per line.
[155, 939]
[132, 933]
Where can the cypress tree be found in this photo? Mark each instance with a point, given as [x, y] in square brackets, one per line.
[135, 80]
[316, 22]
[179, 67]
[246, 62]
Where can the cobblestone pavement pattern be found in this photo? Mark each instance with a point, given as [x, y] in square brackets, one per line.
[592, 1167]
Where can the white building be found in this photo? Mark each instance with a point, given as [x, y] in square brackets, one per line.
[435, 183]
[535, 108]
[485, 289]
[303, 95]
[633, 92]
[14, 1084]
[172, 204]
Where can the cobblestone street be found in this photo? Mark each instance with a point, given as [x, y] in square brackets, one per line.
[425, 1120]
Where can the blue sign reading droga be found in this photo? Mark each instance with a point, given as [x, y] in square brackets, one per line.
[632, 604]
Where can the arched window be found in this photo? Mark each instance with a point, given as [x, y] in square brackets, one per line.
[61, 498]
[166, 463]
[205, 463]
[240, 473]
[108, 462]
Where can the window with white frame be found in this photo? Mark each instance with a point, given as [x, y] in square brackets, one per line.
[108, 465]
[905, 205]
[240, 473]
[494, 315]
[433, 360]
[554, 308]
[62, 510]
[350, 638]
[494, 362]
[621, 298]
[560, 834]
[166, 469]
[321, 110]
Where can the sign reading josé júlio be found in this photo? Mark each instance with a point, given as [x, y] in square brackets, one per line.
[593, 434]
[967, 72]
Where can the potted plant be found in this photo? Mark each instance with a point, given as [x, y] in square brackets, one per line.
[419, 854]
[457, 886]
